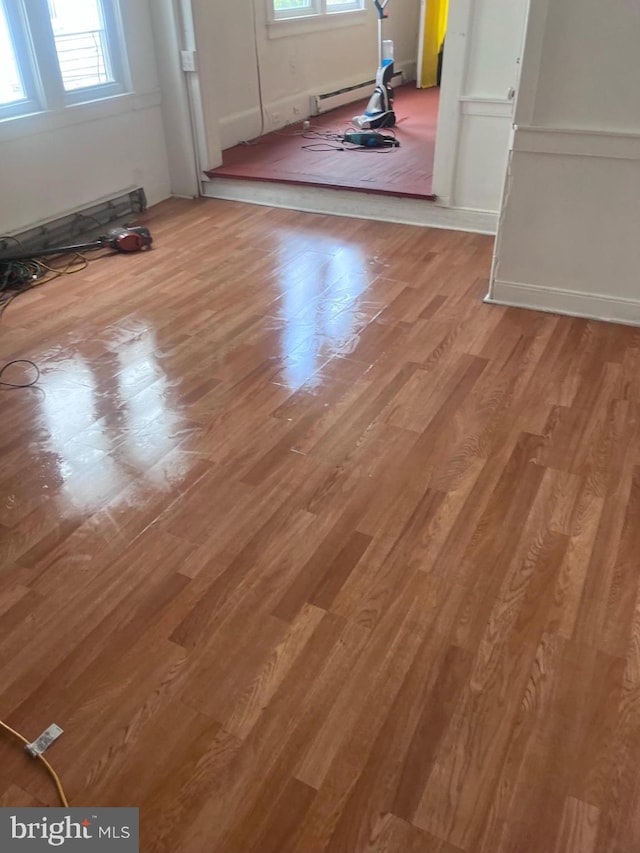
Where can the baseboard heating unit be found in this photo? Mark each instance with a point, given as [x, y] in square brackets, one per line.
[330, 100]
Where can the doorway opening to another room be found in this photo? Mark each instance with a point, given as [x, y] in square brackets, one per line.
[312, 151]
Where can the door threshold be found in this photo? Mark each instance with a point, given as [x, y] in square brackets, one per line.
[351, 203]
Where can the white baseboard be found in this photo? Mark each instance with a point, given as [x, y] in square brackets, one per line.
[573, 303]
[239, 127]
[384, 208]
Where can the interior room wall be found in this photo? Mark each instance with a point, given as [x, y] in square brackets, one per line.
[568, 236]
[294, 64]
[55, 163]
[589, 68]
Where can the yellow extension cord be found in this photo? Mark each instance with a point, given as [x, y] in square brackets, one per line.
[52, 772]
[52, 274]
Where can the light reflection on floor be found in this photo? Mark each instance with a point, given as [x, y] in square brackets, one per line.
[96, 454]
[320, 315]
[111, 419]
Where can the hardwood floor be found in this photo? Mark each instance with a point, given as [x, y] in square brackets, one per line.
[310, 551]
[284, 157]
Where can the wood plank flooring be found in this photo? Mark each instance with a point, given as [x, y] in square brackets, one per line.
[406, 171]
[310, 551]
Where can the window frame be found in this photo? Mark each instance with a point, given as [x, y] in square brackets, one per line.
[115, 48]
[36, 55]
[292, 14]
[316, 9]
[347, 6]
[23, 53]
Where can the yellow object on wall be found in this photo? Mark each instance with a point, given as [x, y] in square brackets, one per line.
[435, 28]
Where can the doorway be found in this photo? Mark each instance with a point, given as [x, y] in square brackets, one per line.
[316, 158]
[317, 155]
[474, 117]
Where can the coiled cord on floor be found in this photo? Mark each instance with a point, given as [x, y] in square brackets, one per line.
[19, 384]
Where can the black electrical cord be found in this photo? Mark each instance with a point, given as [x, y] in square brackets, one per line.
[325, 135]
[327, 140]
[18, 277]
[20, 384]
[323, 146]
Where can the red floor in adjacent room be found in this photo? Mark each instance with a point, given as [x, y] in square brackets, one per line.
[406, 171]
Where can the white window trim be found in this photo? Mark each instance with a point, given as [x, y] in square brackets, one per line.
[316, 9]
[18, 27]
[310, 23]
[24, 126]
[38, 61]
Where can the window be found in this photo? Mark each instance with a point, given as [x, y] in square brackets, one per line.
[288, 9]
[58, 52]
[17, 90]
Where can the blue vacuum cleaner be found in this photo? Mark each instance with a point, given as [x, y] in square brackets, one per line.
[379, 112]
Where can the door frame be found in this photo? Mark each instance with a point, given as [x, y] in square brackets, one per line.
[454, 74]
[205, 117]
[206, 137]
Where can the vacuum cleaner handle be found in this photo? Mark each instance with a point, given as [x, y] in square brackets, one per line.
[124, 239]
[381, 5]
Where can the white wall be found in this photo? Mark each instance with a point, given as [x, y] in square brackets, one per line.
[483, 44]
[590, 65]
[568, 239]
[54, 163]
[295, 63]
